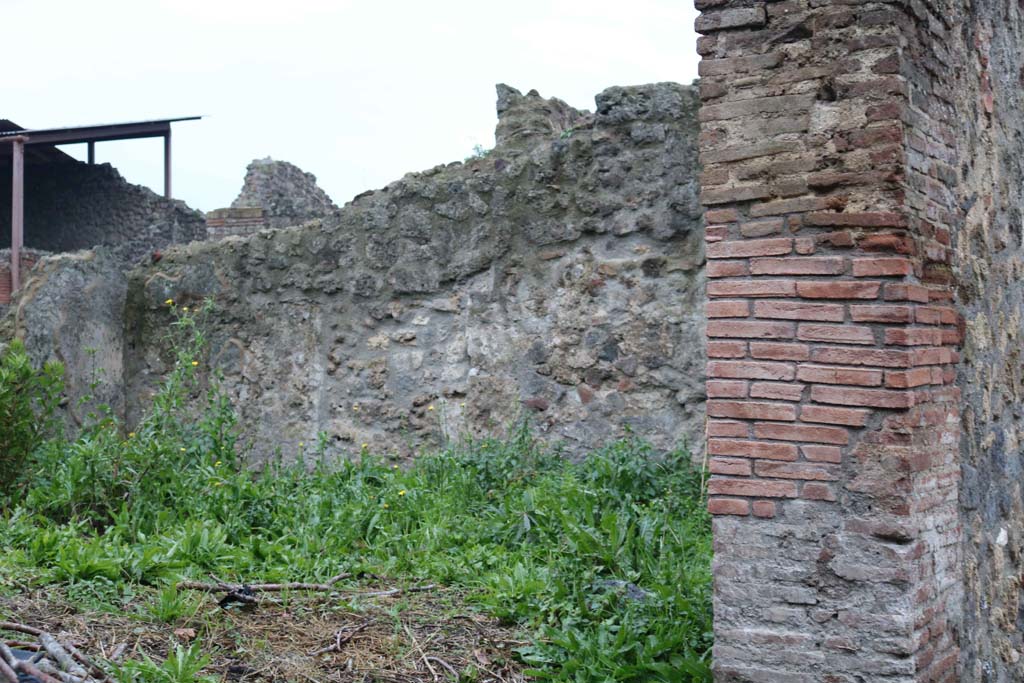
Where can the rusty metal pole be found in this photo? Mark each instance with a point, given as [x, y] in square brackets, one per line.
[167, 164]
[17, 209]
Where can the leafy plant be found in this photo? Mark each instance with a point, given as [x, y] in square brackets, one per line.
[28, 401]
[606, 562]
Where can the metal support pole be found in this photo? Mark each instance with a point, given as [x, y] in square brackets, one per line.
[92, 153]
[167, 164]
[17, 209]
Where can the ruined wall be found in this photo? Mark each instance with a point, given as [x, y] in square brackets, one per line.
[71, 206]
[983, 93]
[560, 275]
[834, 422]
[287, 195]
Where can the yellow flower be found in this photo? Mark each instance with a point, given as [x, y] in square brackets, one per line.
[386, 505]
[218, 483]
[182, 449]
[355, 407]
[169, 302]
[131, 435]
[430, 407]
[462, 405]
[185, 309]
[402, 492]
[394, 467]
[301, 444]
[195, 363]
[365, 446]
[217, 464]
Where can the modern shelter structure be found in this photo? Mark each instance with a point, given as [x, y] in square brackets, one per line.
[39, 147]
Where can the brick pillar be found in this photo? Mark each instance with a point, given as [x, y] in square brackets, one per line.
[833, 423]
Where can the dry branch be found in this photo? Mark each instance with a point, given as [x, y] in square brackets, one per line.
[222, 587]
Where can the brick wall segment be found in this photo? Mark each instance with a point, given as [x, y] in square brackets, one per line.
[830, 282]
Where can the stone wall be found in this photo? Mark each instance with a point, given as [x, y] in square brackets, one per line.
[559, 276]
[833, 418]
[982, 96]
[73, 205]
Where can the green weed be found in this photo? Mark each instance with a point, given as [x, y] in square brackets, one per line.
[606, 562]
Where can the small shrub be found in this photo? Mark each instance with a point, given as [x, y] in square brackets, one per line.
[28, 401]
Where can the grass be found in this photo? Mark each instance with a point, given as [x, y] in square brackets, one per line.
[601, 566]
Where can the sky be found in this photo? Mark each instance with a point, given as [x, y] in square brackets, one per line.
[356, 92]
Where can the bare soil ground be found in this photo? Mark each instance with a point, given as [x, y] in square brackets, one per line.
[424, 636]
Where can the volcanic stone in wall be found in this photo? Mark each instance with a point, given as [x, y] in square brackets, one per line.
[559, 276]
[986, 39]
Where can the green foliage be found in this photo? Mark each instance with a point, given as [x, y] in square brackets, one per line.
[181, 666]
[606, 562]
[28, 399]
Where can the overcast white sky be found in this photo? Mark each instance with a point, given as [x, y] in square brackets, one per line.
[356, 92]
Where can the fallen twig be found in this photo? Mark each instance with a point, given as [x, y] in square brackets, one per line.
[339, 641]
[61, 655]
[395, 591]
[445, 664]
[20, 628]
[222, 587]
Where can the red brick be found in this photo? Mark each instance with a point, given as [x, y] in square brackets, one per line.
[746, 369]
[727, 309]
[728, 429]
[721, 215]
[753, 488]
[898, 243]
[804, 246]
[872, 398]
[951, 337]
[862, 220]
[721, 349]
[816, 453]
[905, 292]
[851, 417]
[929, 315]
[795, 470]
[837, 334]
[824, 265]
[751, 410]
[906, 379]
[740, 193]
[838, 289]
[885, 358]
[913, 336]
[777, 391]
[728, 506]
[750, 330]
[881, 267]
[716, 233]
[782, 207]
[752, 288]
[735, 467]
[880, 313]
[805, 433]
[727, 268]
[776, 246]
[931, 356]
[830, 374]
[764, 450]
[719, 388]
[762, 228]
[818, 491]
[797, 310]
[770, 351]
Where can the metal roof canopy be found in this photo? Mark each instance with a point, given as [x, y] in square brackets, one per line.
[20, 138]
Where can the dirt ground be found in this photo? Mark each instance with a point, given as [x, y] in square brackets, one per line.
[410, 637]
